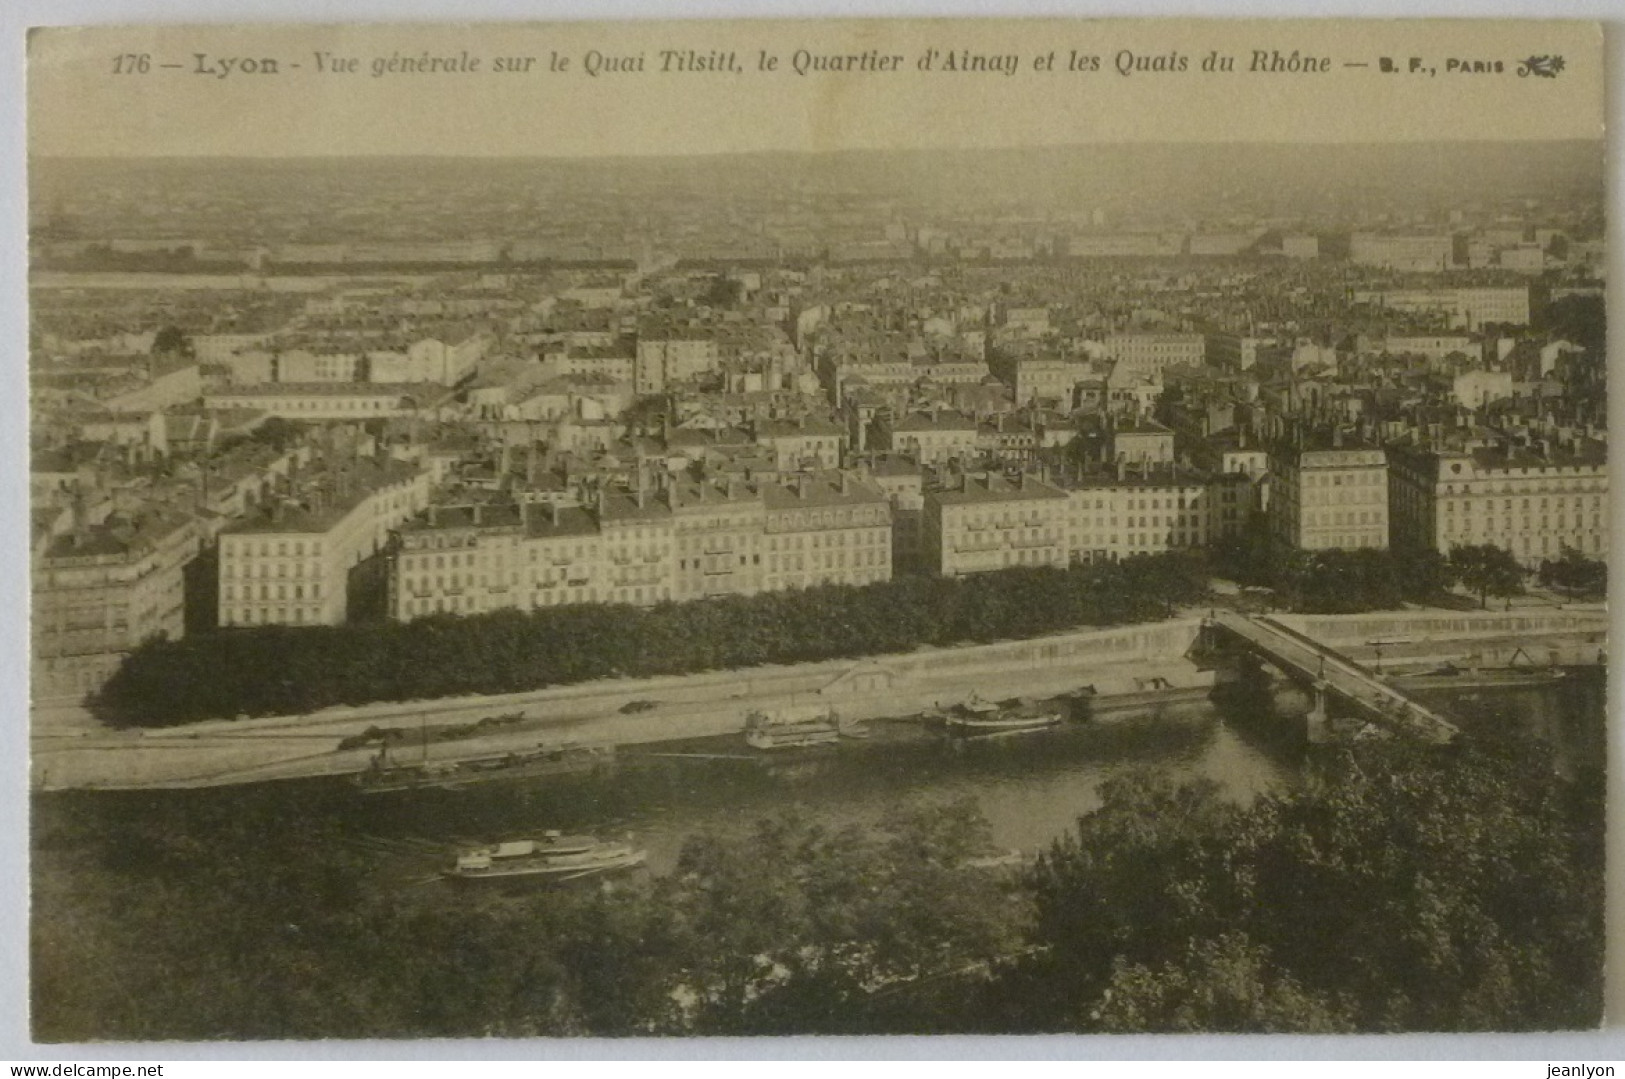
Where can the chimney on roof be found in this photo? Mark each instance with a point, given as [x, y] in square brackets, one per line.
[477, 507]
[801, 485]
[553, 513]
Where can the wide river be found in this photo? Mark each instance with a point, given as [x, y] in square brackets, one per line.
[1031, 788]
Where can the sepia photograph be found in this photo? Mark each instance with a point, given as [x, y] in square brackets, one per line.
[816, 527]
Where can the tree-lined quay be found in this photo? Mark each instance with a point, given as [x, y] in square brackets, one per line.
[283, 670]
[278, 670]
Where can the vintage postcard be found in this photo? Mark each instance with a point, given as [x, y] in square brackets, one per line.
[816, 527]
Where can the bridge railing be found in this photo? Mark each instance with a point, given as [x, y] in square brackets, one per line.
[1407, 712]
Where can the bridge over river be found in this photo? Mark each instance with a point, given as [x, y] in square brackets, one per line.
[1327, 673]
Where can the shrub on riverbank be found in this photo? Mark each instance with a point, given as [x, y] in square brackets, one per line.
[283, 670]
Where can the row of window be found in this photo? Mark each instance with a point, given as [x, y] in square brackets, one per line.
[1489, 526]
[1155, 520]
[1177, 538]
[232, 592]
[1323, 498]
[1330, 519]
[241, 548]
[1488, 505]
[231, 570]
[1371, 478]
[1513, 488]
[1345, 541]
[281, 616]
[295, 404]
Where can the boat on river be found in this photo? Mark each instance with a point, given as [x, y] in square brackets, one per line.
[553, 857]
[382, 775]
[980, 718]
[791, 728]
[1450, 676]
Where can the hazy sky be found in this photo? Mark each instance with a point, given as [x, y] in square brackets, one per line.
[79, 105]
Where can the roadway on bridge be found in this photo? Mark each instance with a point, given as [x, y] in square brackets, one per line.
[1343, 676]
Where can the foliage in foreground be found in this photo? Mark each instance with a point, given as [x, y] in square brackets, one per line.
[284, 670]
[1398, 888]
[161, 925]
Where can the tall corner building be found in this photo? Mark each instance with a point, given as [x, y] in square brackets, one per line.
[1533, 496]
[1330, 494]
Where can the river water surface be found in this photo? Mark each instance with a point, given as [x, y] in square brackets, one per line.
[1031, 788]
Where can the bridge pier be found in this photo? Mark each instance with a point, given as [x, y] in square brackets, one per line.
[1318, 722]
[1322, 673]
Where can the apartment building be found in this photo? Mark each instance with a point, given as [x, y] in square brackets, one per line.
[288, 563]
[1048, 379]
[689, 539]
[980, 522]
[1144, 355]
[826, 528]
[933, 438]
[808, 442]
[902, 481]
[1137, 440]
[1466, 308]
[1422, 253]
[719, 537]
[1335, 496]
[99, 590]
[1433, 346]
[667, 355]
[1532, 496]
[1148, 508]
[486, 556]
[320, 401]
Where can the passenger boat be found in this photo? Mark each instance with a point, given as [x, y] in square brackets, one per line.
[553, 857]
[382, 776]
[977, 717]
[791, 728]
[1449, 676]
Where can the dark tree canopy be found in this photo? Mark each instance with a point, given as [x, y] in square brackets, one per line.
[1487, 570]
[1400, 888]
[1576, 574]
[172, 340]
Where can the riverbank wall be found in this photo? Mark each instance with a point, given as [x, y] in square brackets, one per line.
[1416, 640]
[1125, 667]
[1117, 664]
